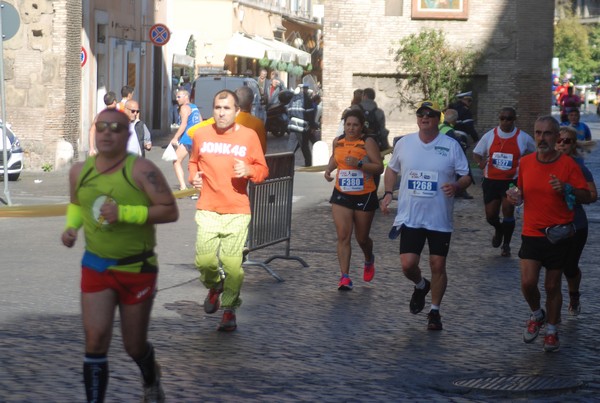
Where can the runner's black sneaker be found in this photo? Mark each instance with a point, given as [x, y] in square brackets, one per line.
[497, 238]
[154, 393]
[435, 320]
[417, 301]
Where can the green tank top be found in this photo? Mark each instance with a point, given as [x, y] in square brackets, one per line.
[118, 240]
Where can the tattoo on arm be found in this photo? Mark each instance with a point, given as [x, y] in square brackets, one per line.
[153, 179]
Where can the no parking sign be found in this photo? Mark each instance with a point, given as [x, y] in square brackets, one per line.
[83, 56]
[159, 34]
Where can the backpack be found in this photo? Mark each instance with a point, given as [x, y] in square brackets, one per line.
[373, 129]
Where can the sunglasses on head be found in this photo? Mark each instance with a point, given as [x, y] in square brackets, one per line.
[429, 114]
[112, 126]
[507, 118]
[565, 140]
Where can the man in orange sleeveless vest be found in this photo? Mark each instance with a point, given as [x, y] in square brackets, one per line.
[498, 154]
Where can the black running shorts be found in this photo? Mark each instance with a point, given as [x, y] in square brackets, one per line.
[412, 240]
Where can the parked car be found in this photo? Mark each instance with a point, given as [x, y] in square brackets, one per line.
[14, 154]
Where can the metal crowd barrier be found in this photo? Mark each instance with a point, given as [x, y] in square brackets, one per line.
[271, 204]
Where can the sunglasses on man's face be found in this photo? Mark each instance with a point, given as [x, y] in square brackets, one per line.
[507, 118]
[565, 140]
[429, 114]
[134, 110]
[115, 127]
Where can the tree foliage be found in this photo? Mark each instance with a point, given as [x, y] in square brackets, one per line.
[573, 47]
[431, 69]
[190, 50]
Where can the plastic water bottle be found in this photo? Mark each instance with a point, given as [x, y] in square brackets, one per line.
[514, 192]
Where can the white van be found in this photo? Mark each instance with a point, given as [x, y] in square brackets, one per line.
[205, 88]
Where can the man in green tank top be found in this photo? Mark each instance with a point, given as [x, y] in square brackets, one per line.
[117, 198]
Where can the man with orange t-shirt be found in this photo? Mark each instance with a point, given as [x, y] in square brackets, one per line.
[549, 183]
[224, 156]
[244, 118]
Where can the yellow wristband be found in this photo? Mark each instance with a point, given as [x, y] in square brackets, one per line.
[73, 216]
[133, 214]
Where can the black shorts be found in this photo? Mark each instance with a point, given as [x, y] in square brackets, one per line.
[495, 189]
[551, 256]
[366, 202]
[412, 240]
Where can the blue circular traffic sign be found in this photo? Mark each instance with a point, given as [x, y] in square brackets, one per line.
[159, 34]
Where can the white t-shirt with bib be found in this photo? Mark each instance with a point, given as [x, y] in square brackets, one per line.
[424, 168]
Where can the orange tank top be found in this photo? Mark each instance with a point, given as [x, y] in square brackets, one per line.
[503, 157]
[351, 179]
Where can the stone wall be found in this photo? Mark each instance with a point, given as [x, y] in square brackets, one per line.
[43, 78]
[515, 70]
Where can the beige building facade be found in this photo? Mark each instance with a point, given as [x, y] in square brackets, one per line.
[68, 53]
[516, 38]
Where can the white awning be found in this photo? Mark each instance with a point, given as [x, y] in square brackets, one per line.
[288, 53]
[183, 60]
[244, 46]
[257, 47]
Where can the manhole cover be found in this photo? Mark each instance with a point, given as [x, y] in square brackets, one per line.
[520, 383]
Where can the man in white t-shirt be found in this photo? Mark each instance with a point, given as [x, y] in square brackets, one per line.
[429, 164]
[498, 154]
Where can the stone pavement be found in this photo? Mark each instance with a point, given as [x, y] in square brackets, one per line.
[300, 340]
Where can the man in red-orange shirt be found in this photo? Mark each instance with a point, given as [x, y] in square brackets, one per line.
[549, 183]
[224, 156]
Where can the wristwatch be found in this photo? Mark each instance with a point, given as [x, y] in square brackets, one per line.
[360, 164]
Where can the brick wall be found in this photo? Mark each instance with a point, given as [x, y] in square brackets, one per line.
[515, 71]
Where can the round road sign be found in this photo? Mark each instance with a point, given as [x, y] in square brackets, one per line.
[159, 34]
[83, 56]
[10, 20]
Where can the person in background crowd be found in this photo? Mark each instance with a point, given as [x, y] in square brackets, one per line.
[354, 200]
[174, 109]
[561, 90]
[568, 102]
[118, 198]
[137, 127]
[447, 128]
[110, 101]
[498, 154]
[567, 144]
[275, 88]
[465, 122]
[555, 86]
[583, 130]
[354, 104]
[189, 116]
[374, 120]
[224, 157]
[302, 121]
[550, 179]
[126, 95]
[245, 118]
[428, 164]
[263, 87]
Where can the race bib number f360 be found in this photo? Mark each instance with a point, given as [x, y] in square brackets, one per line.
[422, 183]
[351, 180]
